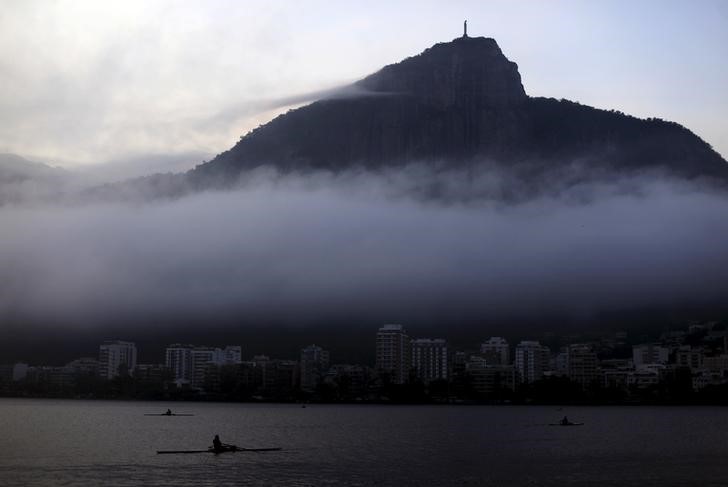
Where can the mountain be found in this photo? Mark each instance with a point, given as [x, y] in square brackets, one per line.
[461, 102]
[21, 179]
[14, 169]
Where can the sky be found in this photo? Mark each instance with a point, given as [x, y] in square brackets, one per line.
[84, 83]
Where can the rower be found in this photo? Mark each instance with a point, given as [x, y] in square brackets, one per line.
[565, 421]
[216, 443]
[169, 412]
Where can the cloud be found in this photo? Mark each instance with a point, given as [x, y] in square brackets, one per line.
[366, 248]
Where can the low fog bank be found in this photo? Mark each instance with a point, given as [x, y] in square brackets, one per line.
[356, 248]
[24, 182]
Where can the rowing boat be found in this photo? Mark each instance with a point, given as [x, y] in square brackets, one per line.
[566, 424]
[165, 414]
[227, 449]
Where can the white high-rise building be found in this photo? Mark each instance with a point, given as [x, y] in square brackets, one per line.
[496, 351]
[117, 358]
[393, 353]
[314, 364]
[532, 360]
[429, 359]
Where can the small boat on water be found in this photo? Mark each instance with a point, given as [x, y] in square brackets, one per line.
[223, 449]
[170, 414]
[565, 422]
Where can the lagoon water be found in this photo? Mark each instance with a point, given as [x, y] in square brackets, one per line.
[83, 443]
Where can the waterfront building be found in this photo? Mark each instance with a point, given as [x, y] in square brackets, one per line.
[19, 371]
[532, 360]
[705, 378]
[206, 362]
[393, 353]
[583, 365]
[689, 357]
[488, 379]
[314, 364]
[429, 359]
[718, 363]
[232, 354]
[152, 373]
[496, 351]
[178, 359]
[350, 380]
[615, 376]
[86, 366]
[196, 365]
[204, 366]
[117, 358]
[647, 376]
[270, 378]
[649, 354]
[561, 362]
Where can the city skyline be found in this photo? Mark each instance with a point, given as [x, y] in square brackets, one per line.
[610, 368]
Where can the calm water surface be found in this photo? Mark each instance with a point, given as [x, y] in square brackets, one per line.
[82, 443]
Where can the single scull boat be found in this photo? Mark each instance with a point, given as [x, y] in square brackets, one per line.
[226, 449]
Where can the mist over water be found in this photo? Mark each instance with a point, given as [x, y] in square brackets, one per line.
[412, 245]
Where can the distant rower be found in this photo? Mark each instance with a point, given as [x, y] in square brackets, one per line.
[216, 443]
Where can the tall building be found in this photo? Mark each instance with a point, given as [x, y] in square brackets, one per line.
[314, 364]
[532, 360]
[204, 365]
[496, 351]
[561, 362]
[178, 359]
[393, 353]
[117, 358]
[429, 359]
[583, 365]
[207, 360]
[195, 365]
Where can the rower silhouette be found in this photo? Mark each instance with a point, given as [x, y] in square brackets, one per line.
[216, 443]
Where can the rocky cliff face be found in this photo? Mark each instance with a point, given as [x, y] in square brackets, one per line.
[460, 102]
[469, 72]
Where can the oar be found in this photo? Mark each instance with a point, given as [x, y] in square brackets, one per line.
[166, 452]
[165, 414]
[210, 450]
